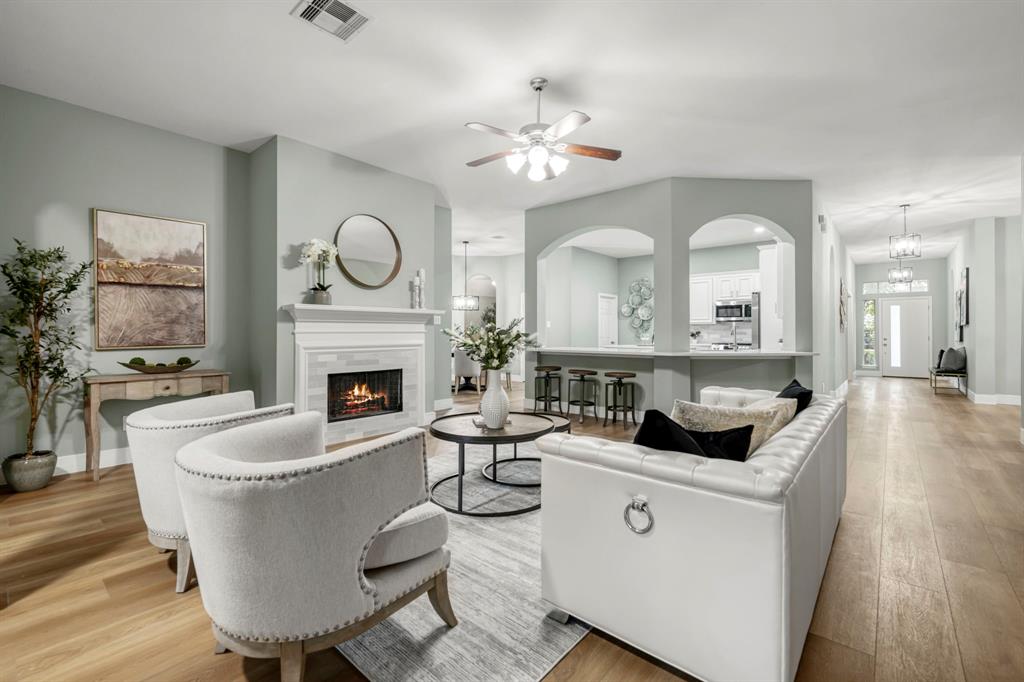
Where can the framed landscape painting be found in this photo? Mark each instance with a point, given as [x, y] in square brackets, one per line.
[150, 281]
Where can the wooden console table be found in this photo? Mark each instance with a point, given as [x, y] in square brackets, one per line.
[138, 386]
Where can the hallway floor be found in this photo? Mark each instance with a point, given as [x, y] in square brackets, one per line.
[925, 581]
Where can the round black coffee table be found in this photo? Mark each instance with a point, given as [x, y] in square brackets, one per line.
[459, 428]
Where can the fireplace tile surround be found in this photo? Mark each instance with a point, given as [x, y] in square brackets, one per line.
[345, 339]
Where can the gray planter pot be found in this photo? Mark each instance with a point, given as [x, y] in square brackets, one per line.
[321, 297]
[33, 473]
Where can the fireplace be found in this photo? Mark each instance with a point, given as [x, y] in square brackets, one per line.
[351, 395]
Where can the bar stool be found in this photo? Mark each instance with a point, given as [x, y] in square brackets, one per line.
[547, 379]
[622, 398]
[582, 379]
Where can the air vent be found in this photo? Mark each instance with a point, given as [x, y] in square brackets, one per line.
[337, 18]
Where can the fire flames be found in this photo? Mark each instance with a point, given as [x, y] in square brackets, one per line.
[360, 395]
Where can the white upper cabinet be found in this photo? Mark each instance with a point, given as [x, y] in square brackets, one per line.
[701, 300]
[735, 284]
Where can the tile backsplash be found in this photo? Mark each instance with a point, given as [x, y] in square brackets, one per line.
[721, 333]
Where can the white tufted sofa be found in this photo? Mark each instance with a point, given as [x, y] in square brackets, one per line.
[299, 549]
[155, 434]
[723, 585]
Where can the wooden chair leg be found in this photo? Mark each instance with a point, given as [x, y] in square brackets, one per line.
[293, 662]
[186, 567]
[438, 595]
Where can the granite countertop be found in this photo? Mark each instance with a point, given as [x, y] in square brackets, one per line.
[649, 352]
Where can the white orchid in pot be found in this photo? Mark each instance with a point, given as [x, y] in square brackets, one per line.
[319, 253]
[494, 348]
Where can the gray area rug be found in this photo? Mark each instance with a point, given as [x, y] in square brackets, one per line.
[494, 582]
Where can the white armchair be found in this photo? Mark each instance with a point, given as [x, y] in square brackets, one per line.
[155, 435]
[464, 367]
[299, 549]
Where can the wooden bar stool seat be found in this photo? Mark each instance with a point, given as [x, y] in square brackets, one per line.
[547, 387]
[620, 396]
[585, 385]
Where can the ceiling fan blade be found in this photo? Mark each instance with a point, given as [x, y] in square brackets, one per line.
[484, 128]
[491, 157]
[594, 152]
[566, 124]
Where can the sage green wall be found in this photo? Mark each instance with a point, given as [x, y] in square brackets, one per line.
[670, 211]
[440, 290]
[591, 274]
[932, 269]
[557, 304]
[725, 258]
[58, 161]
[1009, 261]
[630, 270]
[262, 245]
[316, 190]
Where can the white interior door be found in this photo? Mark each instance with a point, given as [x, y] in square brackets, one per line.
[607, 320]
[906, 337]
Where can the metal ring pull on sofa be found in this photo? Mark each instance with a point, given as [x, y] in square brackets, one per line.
[639, 505]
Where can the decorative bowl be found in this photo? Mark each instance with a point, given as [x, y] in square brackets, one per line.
[153, 369]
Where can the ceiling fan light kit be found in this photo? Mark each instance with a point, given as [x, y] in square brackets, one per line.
[541, 148]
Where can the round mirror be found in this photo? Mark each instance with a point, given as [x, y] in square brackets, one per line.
[368, 251]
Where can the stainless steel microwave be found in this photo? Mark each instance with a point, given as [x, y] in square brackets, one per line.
[733, 310]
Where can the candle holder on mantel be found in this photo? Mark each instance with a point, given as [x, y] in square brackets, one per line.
[417, 288]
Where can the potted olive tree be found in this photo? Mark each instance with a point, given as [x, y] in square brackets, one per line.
[41, 284]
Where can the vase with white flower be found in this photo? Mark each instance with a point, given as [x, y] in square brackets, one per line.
[319, 253]
[494, 348]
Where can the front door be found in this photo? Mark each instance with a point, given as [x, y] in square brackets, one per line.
[607, 320]
[906, 335]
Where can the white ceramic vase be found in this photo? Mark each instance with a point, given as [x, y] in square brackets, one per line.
[494, 404]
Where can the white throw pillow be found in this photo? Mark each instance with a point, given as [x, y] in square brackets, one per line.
[767, 418]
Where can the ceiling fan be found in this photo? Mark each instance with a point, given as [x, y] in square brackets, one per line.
[539, 143]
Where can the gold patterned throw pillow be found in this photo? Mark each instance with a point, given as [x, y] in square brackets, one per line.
[767, 417]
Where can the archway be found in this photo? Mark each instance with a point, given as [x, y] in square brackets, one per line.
[583, 286]
[742, 284]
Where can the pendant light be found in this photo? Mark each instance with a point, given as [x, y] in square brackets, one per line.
[904, 245]
[901, 274]
[465, 301]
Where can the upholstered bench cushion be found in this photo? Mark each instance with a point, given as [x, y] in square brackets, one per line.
[418, 531]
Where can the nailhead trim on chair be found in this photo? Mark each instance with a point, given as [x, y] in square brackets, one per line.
[170, 426]
[299, 472]
[326, 631]
[167, 534]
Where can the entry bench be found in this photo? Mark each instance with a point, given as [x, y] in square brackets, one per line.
[934, 374]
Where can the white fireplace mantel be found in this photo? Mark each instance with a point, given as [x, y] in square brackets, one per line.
[338, 338]
[310, 312]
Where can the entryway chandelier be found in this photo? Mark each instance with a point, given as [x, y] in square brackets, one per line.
[465, 301]
[901, 274]
[904, 245]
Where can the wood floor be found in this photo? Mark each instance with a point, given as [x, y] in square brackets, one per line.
[925, 581]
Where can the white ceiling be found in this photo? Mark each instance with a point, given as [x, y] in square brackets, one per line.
[878, 103]
[729, 231]
[614, 242]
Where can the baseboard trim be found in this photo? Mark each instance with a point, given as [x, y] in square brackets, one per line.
[1022, 435]
[867, 373]
[993, 398]
[841, 390]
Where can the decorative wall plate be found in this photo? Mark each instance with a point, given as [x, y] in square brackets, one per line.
[645, 312]
[635, 300]
[646, 292]
[634, 287]
[635, 322]
[639, 308]
[626, 310]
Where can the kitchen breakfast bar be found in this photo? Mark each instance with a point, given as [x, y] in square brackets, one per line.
[663, 376]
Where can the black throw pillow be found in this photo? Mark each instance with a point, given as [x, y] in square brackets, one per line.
[729, 444]
[660, 432]
[802, 395]
[938, 363]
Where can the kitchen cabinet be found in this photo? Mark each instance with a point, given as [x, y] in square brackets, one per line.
[702, 300]
[735, 284]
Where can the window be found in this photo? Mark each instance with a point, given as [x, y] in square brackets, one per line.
[917, 286]
[870, 357]
[895, 341]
